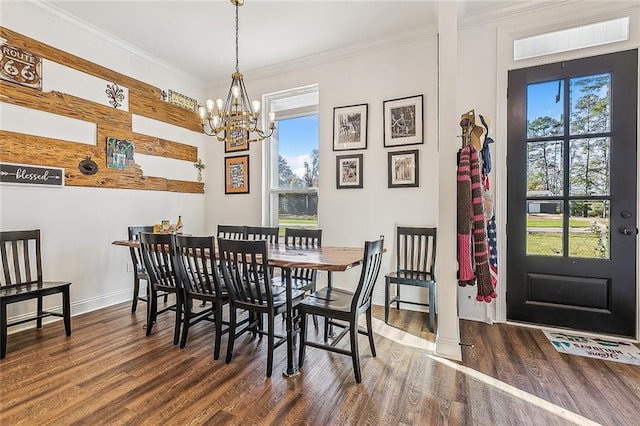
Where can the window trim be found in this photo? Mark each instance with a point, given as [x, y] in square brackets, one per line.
[269, 215]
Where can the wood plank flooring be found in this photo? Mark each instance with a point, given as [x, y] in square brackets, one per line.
[109, 372]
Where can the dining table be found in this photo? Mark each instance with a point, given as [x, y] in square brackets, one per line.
[329, 259]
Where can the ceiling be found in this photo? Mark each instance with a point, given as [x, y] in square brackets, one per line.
[198, 37]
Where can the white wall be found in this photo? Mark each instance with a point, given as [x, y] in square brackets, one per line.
[79, 224]
[348, 217]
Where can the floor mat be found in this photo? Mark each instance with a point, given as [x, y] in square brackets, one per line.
[594, 347]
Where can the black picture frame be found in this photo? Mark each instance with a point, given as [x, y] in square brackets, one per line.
[403, 169]
[236, 174]
[350, 127]
[349, 171]
[403, 121]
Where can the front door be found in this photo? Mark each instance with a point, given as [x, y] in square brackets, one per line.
[571, 187]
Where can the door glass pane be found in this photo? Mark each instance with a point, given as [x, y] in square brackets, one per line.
[590, 104]
[544, 169]
[544, 228]
[589, 166]
[589, 229]
[545, 103]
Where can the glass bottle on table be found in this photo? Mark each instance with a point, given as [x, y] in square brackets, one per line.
[179, 225]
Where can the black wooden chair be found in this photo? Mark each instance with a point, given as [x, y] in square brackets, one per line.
[345, 307]
[139, 273]
[22, 280]
[232, 232]
[201, 281]
[251, 290]
[270, 234]
[159, 256]
[415, 266]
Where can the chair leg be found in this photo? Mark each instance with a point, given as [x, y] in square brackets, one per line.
[3, 330]
[232, 333]
[303, 338]
[398, 297]
[185, 325]
[152, 309]
[355, 356]
[386, 300]
[39, 320]
[179, 314]
[370, 332]
[326, 329]
[136, 293]
[270, 337]
[218, 338]
[66, 311]
[432, 307]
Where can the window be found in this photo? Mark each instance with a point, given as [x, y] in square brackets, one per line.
[572, 39]
[291, 160]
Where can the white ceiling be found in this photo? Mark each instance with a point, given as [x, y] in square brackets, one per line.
[198, 37]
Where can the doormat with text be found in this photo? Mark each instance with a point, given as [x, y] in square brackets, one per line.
[593, 347]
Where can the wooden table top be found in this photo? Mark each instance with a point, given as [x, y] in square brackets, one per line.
[322, 258]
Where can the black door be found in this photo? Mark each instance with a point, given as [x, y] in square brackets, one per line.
[571, 187]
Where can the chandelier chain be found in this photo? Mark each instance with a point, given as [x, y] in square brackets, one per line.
[237, 68]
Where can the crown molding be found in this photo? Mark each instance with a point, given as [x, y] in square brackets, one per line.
[334, 55]
[51, 11]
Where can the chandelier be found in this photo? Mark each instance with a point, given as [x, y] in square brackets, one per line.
[236, 119]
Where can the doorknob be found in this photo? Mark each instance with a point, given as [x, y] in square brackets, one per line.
[628, 231]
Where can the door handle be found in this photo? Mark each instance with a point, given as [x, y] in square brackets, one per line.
[629, 231]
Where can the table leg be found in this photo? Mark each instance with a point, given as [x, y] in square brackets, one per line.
[329, 330]
[292, 368]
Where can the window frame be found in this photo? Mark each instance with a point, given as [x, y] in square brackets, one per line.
[269, 206]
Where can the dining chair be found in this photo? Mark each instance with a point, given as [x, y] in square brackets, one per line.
[301, 278]
[159, 257]
[251, 290]
[232, 232]
[263, 233]
[21, 280]
[139, 273]
[335, 304]
[415, 266]
[200, 280]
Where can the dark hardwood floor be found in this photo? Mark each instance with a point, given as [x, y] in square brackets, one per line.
[109, 372]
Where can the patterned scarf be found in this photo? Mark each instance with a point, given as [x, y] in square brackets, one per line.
[472, 231]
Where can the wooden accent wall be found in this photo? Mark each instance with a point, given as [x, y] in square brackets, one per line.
[144, 100]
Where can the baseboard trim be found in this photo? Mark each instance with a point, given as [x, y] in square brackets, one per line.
[77, 308]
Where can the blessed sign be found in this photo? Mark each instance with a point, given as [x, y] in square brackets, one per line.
[20, 66]
[31, 175]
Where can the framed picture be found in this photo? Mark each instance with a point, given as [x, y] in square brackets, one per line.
[349, 171]
[236, 140]
[236, 174]
[403, 121]
[350, 127]
[403, 169]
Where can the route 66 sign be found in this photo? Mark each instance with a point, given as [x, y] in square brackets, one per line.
[20, 66]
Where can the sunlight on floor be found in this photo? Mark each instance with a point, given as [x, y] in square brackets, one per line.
[406, 339]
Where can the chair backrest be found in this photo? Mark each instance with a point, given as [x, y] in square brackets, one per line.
[196, 266]
[21, 257]
[306, 238]
[370, 269]
[263, 233]
[232, 232]
[136, 253]
[247, 282]
[159, 256]
[416, 250]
